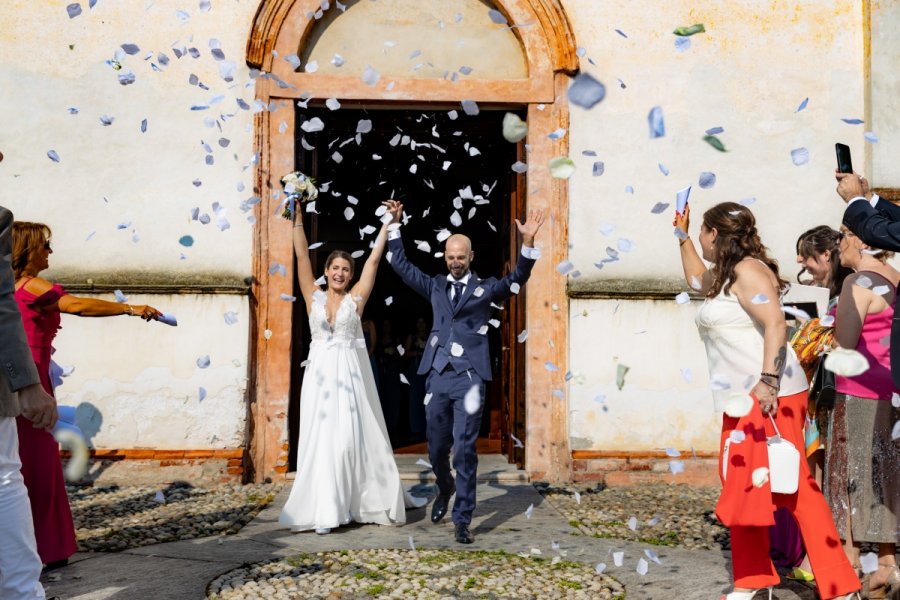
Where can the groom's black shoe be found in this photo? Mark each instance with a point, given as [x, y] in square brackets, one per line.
[439, 508]
[463, 535]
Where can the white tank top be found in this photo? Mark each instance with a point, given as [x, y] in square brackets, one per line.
[734, 351]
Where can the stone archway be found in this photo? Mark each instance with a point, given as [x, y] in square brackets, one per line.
[283, 27]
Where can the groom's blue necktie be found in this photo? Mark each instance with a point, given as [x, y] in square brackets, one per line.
[457, 293]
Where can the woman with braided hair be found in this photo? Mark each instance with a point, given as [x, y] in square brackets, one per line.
[745, 334]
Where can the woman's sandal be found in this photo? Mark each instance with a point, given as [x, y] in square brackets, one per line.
[887, 589]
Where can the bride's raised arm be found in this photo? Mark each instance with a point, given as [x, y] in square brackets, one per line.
[366, 282]
[304, 266]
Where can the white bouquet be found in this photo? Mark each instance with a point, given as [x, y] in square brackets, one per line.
[299, 189]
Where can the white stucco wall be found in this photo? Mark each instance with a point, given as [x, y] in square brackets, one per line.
[885, 93]
[659, 406]
[748, 74]
[142, 379]
[137, 384]
[115, 174]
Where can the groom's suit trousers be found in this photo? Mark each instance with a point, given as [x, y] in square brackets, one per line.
[450, 424]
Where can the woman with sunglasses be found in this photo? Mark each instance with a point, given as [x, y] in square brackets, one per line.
[41, 303]
[862, 461]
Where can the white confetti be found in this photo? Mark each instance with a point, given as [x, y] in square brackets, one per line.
[529, 511]
[562, 167]
[517, 443]
[642, 566]
[514, 128]
[618, 558]
[523, 335]
[846, 362]
[632, 523]
[203, 361]
[652, 555]
[800, 156]
[565, 267]
[600, 568]
[456, 349]
[514, 287]
[760, 299]
[160, 498]
[760, 476]
[403, 379]
[738, 405]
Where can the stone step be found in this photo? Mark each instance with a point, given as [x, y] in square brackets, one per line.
[492, 468]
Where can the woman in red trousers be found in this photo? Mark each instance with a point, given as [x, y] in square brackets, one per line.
[755, 375]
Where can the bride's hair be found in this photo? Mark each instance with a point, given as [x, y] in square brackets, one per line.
[341, 254]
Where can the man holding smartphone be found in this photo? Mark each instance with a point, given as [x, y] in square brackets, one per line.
[877, 223]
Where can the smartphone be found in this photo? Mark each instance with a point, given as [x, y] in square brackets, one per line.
[843, 158]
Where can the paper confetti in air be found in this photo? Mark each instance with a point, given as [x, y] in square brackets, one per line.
[760, 476]
[800, 156]
[586, 91]
[618, 558]
[621, 371]
[657, 122]
[424, 463]
[514, 128]
[472, 400]
[529, 511]
[739, 404]
[562, 167]
[846, 362]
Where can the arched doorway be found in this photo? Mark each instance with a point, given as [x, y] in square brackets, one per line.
[288, 28]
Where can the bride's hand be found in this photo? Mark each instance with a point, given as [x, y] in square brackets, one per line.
[395, 208]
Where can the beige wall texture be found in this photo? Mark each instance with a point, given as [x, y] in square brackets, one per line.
[748, 74]
[137, 384]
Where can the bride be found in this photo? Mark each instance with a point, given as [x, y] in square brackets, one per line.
[345, 465]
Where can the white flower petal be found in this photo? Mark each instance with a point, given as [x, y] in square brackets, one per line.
[760, 476]
[739, 404]
[562, 167]
[846, 362]
[514, 128]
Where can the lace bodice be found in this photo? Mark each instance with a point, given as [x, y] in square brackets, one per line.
[347, 328]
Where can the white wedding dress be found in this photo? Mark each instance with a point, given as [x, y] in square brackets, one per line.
[345, 465]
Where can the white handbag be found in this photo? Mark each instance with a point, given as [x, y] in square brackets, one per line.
[784, 463]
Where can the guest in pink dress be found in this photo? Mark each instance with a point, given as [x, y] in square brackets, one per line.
[862, 461]
[41, 303]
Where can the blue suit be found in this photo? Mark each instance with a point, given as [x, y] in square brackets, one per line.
[451, 374]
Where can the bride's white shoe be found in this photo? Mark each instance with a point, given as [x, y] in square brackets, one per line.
[413, 501]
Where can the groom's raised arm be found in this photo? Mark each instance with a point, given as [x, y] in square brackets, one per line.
[408, 272]
[527, 257]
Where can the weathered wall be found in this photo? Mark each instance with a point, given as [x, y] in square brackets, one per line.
[885, 93]
[137, 384]
[748, 74]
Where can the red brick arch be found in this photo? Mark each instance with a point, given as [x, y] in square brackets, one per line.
[548, 44]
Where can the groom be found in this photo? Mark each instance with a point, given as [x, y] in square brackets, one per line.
[456, 358]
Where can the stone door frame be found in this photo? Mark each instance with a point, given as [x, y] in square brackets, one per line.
[548, 43]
